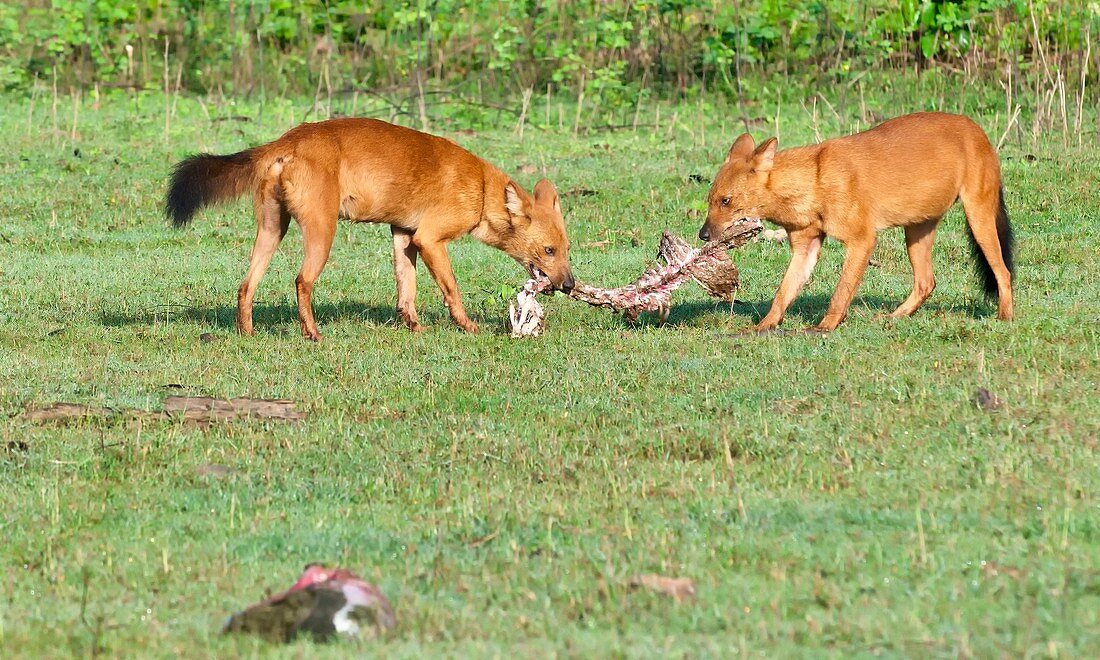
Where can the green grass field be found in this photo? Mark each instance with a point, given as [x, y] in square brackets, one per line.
[829, 495]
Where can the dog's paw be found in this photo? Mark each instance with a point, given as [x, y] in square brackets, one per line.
[762, 328]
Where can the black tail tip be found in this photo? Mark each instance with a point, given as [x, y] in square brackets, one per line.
[1004, 232]
[177, 209]
[204, 179]
[186, 193]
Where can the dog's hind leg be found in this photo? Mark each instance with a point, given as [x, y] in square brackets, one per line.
[404, 271]
[272, 220]
[992, 242]
[918, 241]
[317, 220]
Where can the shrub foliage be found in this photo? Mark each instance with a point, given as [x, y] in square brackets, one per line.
[611, 47]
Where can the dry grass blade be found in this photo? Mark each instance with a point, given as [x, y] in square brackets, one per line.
[991, 569]
[679, 589]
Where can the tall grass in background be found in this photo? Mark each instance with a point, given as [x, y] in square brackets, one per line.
[496, 60]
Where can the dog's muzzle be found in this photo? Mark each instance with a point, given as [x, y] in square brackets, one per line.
[568, 283]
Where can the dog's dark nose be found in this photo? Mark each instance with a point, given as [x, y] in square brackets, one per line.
[567, 284]
[704, 233]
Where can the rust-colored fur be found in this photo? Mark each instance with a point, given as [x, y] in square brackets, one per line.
[906, 172]
[427, 188]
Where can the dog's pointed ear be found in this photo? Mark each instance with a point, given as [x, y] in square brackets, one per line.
[764, 157]
[742, 148]
[546, 193]
[513, 202]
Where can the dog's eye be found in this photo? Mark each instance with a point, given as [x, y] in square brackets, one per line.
[549, 251]
[725, 201]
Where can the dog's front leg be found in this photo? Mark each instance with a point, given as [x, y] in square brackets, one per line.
[434, 252]
[805, 249]
[404, 271]
[857, 253]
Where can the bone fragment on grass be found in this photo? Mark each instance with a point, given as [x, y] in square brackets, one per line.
[527, 313]
[709, 266]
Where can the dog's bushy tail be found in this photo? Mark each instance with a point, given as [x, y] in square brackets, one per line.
[205, 179]
[1004, 235]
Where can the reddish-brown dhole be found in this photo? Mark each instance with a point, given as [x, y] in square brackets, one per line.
[906, 172]
[427, 188]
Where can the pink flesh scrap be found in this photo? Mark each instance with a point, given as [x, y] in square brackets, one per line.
[323, 603]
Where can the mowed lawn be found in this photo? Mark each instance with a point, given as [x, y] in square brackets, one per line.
[840, 494]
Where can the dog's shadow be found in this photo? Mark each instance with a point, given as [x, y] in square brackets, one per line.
[224, 317]
[808, 309]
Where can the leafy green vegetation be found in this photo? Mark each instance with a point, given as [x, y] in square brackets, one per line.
[612, 51]
[837, 495]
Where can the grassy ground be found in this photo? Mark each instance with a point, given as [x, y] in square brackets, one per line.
[838, 494]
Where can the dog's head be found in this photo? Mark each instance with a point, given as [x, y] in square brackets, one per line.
[538, 240]
[739, 190]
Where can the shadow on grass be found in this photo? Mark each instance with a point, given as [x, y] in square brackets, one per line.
[809, 309]
[806, 310]
[224, 317]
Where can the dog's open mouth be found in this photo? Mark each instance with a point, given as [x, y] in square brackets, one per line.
[542, 282]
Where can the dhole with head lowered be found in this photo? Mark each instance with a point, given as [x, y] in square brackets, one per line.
[427, 188]
[906, 172]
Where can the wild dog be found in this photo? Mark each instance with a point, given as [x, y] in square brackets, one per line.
[427, 188]
[906, 172]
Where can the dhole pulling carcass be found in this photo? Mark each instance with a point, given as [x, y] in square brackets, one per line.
[906, 172]
[427, 188]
